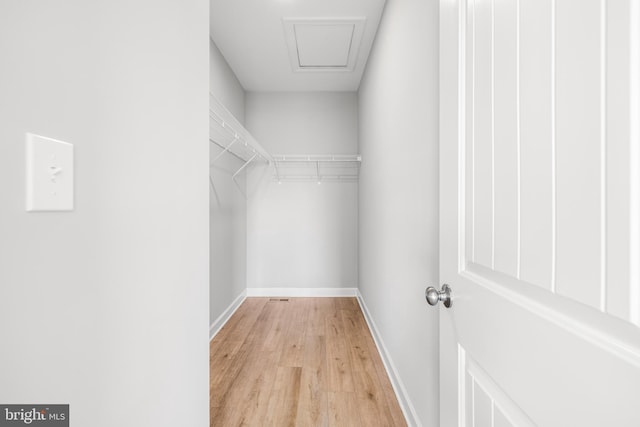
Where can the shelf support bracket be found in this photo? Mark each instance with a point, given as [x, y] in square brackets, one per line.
[227, 148]
[275, 164]
[242, 168]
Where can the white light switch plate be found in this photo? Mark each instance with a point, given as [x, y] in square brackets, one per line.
[49, 174]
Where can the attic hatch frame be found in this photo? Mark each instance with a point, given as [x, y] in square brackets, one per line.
[289, 24]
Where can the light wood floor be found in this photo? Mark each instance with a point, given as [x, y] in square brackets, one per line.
[301, 362]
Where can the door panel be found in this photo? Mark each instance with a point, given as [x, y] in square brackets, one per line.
[505, 152]
[556, 372]
[548, 155]
[578, 134]
[500, 420]
[536, 156]
[482, 138]
[485, 396]
[621, 163]
[539, 212]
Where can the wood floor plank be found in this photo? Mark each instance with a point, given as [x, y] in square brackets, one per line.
[347, 303]
[340, 376]
[274, 338]
[249, 400]
[313, 409]
[372, 404]
[317, 309]
[392, 401]
[293, 347]
[226, 379]
[240, 323]
[223, 360]
[283, 404]
[343, 410]
[312, 401]
[301, 362]
[236, 351]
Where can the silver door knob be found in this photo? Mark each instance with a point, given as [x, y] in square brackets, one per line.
[434, 296]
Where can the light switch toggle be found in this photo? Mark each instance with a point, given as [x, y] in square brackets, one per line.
[49, 174]
[54, 170]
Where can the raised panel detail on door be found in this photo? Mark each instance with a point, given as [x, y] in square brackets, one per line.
[621, 163]
[482, 166]
[506, 139]
[486, 404]
[540, 212]
[536, 143]
[548, 154]
[579, 135]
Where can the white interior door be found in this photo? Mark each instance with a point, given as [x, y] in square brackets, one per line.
[540, 212]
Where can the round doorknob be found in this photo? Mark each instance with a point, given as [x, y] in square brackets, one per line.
[434, 296]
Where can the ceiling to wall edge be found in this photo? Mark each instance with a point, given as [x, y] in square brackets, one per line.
[252, 38]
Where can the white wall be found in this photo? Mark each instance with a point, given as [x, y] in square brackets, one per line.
[223, 83]
[105, 307]
[399, 195]
[301, 234]
[227, 207]
[304, 122]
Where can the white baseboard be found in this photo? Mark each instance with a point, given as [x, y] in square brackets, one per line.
[398, 387]
[224, 317]
[302, 292]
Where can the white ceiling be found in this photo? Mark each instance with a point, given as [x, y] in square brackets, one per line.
[296, 45]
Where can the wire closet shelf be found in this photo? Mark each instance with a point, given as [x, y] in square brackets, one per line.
[316, 168]
[226, 132]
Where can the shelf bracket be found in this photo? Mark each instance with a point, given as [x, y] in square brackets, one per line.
[240, 170]
[227, 148]
[275, 164]
[244, 166]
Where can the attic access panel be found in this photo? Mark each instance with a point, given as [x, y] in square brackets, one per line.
[323, 44]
